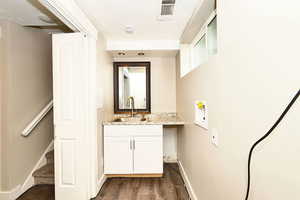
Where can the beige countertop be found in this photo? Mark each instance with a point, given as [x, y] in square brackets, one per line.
[152, 119]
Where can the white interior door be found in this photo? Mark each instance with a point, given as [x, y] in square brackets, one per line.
[118, 155]
[148, 155]
[70, 115]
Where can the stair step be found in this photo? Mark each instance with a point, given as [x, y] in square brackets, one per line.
[44, 175]
[50, 157]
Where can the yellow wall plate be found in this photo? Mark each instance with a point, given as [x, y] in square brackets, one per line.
[200, 105]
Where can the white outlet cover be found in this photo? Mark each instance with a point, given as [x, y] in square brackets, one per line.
[215, 137]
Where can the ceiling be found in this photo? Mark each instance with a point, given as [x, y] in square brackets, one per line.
[199, 17]
[112, 16]
[25, 12]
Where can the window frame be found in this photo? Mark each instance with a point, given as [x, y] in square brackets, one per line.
[201, 35]
[187, 68]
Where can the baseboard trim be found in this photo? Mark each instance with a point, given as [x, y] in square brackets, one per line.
[29, 182]
[10, 195]
[100, 183]
[187, 182]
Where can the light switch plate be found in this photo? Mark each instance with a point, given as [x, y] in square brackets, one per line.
[215, 137]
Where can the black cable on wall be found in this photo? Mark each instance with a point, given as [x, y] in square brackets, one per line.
[264, 137]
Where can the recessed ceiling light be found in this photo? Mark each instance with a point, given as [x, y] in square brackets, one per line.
[121, 54]
[129, 29]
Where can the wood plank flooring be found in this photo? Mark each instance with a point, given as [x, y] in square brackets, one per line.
[39, 192]
[168, 187]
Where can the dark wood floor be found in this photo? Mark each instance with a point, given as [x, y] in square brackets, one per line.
[39, 192]
[169, 187]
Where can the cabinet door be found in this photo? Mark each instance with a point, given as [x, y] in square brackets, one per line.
[148, 155]
[118, 158]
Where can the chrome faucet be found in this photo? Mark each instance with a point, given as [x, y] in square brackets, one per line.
[130, 101]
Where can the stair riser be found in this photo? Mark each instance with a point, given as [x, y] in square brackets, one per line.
[45, 174]
[50, 160]
[50, 157]
[42, 180]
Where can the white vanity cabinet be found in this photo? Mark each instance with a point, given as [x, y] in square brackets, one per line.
[118, 157]
[133, 149]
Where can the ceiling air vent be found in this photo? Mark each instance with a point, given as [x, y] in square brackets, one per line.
[167, 7]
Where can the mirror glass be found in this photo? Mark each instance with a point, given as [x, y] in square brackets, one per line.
[132, 87]
[132, 83]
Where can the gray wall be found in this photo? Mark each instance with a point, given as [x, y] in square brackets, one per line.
[247, 86]
[26, 87]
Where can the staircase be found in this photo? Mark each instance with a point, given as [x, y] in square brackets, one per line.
[45, 175]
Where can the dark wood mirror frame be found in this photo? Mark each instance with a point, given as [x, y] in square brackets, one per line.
[117, 65]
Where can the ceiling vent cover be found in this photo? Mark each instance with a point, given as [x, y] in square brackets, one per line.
[167, 7]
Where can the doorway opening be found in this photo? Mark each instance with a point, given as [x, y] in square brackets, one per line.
[27, 129]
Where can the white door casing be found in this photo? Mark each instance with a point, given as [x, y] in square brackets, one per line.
[70, 102]
[72, 16]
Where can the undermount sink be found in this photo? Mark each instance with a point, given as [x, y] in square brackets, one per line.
[129, 119]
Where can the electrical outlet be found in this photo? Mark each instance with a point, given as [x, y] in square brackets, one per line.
[215, 137]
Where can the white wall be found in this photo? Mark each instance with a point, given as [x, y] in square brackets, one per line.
[105, 93]
[247, 86]
[163, 84]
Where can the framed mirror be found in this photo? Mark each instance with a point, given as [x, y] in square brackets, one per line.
[132, 87]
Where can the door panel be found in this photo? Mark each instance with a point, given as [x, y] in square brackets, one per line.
[70, 115]
[118, 158]
[148, 155]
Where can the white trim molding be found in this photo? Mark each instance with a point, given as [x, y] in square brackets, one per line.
[202, 11]
[71, 15]
[187, 182]
[101, 182]
[37, 119]
[29, 182]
